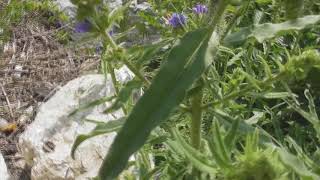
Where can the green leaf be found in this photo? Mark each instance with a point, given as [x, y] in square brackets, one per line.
[257, 115]
[301, 154]
[216, 155]
[243, 127]
[265, 31]
[262, 2]
[186, 62]
[101, 128]
[117, 14]
[296, 165]
[293, 8]
[92, 104]
[254, 82]
[124, 95]
[147, 52]
[197, 159]
[219, 143]
[266, 67]
[271, 95]
[232, 134]
[311, 116]
[312, 107]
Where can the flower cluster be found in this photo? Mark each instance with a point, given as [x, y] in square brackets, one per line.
[200, 9]
[178, 20]
[83, 27]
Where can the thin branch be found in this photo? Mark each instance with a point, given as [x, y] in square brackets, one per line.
[7, 100]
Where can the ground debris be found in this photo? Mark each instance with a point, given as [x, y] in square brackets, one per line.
[33, 66]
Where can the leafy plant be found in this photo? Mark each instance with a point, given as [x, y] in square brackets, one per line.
[222, 101]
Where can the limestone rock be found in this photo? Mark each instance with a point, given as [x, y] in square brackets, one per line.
[46, 143]
[70, 9]
[67, 7]
[4, 175]
[114, 3]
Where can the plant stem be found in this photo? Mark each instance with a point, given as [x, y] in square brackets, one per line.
[236, 16]
[244, 91]
[136, 72]
[196, 118]
[113, 77]
[133, 69]
[114, 82]
[222, 5]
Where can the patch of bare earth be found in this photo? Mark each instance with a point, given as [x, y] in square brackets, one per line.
[33, 66]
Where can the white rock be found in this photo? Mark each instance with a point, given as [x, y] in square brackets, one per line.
[67, 7]
[18, 69]
[114, 3]
[4, 175]
[145, 6]
[46, 143]
[3, 123]
[70, 9]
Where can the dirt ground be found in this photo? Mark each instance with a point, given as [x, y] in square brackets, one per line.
[33, 66]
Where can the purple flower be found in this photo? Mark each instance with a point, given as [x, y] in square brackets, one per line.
[111, 31]
[200, 9]
[83, 27]
[99, 48]
[177, 20]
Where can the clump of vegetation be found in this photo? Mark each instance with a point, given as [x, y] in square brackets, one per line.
[230, 88]
[15, 12]
[255, 163]
[229, 69]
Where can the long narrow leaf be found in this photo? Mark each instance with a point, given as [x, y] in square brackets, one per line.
[232, 134]
[265, 31]
[101, 128]
[143, 54]
[188, 59]
[92, 104]
[197, 159]
[296, 165]
[219, 143]
[124, 95]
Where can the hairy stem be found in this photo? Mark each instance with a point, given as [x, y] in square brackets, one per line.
[114, 82]
[132, 68]
[234, 19]
[222, 5]
[243, 91]
[113, 76]
[196, 118]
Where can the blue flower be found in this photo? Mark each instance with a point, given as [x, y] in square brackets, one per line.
[177, 20]
[200, 9]
[83, 27]
[111, 31]
[99, 48]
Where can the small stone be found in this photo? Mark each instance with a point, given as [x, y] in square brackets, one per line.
[18, 71]
[26, 116]
[3, 123]
[4, 175]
